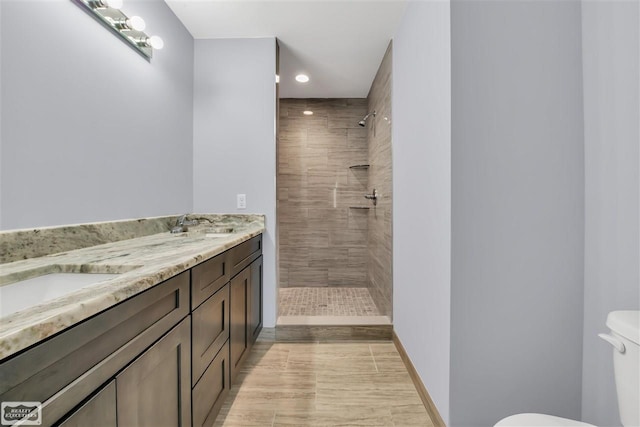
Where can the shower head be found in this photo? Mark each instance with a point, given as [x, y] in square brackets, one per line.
[363, 122]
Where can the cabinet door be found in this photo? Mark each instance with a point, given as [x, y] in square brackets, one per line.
[255, 300]
[155, 390]
[99, 410]
[211, 390]
[239, 290]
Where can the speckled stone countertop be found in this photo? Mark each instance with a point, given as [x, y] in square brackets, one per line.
[142, 261]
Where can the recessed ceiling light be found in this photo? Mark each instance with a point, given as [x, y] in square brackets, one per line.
[308, 113]
[302, 78]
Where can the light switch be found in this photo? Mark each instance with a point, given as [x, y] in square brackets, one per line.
[242, 201]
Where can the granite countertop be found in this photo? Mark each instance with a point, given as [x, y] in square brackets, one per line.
[141, 261]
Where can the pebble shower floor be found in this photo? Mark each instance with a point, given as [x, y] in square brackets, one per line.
[326, 302]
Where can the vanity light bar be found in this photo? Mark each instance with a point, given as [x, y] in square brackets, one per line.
[130, 29]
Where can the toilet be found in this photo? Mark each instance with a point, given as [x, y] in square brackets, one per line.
[625, 339]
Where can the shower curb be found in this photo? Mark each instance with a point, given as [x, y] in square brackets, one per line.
[311, 333]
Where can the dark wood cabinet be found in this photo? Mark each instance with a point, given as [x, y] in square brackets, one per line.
[246, 312]
[100, 407]
[225, 326]
[210, 331]
[208, 277]
[239, 290]
[69, 367]
[155, 390]
[211, 390]
[244, 254]
[164, 357]
[255, 300]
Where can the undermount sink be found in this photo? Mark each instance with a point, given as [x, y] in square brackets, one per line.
[36, 290]
[218, 231]
[209, 232]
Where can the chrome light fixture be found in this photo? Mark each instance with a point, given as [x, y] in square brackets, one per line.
[130, 29]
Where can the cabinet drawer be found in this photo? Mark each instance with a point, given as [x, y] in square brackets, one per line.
[208, 277]
[210, 331]
[245, 253]
[210, 392]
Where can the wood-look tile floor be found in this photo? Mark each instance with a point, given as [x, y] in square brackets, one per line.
[323, 384]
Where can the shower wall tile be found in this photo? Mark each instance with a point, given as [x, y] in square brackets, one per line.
[358, 180]
[328, 257]
[321, 241]
[347, 238]
[310, 276]
[379, 248]
[358, 219]
[357, 257]
[347, 277]
[344, 120]
[303, 240]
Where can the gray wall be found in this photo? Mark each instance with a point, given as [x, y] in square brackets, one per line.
[610, 43]
[0, 116]
[234, 149]
[517, 210]
[90, 130]
[422, 192]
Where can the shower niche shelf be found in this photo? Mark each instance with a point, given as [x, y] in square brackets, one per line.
[359, 167]
[359, 207]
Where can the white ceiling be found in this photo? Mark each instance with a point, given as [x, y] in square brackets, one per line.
[339, 44]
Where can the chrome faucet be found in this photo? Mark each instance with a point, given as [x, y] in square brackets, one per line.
[182, 224]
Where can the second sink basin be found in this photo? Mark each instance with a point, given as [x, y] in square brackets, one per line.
[208, 232]
[218, 231]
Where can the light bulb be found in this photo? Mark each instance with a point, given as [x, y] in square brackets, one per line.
[113, 4]
[136, 23]
[302, 78]
[155, 42]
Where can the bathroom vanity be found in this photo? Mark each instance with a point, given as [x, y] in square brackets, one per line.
[158, 344]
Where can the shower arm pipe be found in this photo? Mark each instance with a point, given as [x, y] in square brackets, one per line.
[364, 120]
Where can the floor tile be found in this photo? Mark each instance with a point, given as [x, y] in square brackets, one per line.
[410, 416]
[245, 418]
[323, 384]
[364, 417]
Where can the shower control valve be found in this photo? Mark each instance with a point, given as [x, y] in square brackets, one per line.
[373, 196]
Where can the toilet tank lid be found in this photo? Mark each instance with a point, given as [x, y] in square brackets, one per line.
[625, 324]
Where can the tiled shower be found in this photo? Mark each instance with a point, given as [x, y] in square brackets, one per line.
[334, 246]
